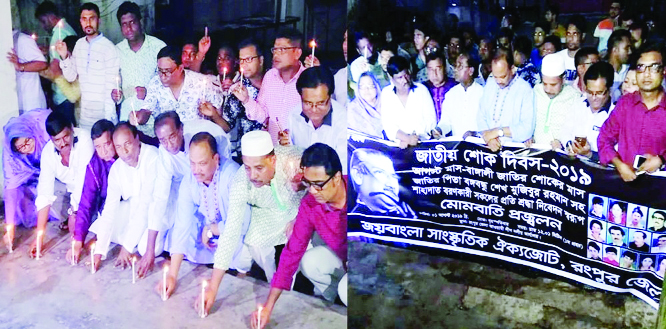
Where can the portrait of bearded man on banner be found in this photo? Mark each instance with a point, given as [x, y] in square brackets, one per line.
[377, 185]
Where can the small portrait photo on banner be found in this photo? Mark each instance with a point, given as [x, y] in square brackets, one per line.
[617, 212]
[628, 260]
[639, 240]
[597, 230]
[637, 216]
[593, 250]
[646, 263]
[656, 220]
[658, 243]
[611, 256]
[598, 206]
[617, 236]
[661, 266]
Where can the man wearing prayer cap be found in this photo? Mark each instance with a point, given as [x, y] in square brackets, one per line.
[268, 181]
[553, 101]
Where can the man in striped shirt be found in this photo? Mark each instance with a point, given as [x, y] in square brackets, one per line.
[96, 64]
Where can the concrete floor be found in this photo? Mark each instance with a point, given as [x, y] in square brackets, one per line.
[50, 293]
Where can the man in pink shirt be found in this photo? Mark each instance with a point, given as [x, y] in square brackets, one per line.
[322, 211]
[637, 124]
[277, 95]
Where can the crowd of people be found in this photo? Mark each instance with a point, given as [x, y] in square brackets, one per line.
[604, 102]
[237, 167]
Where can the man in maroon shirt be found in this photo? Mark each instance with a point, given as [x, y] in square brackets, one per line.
[638, 124]
[324, 212]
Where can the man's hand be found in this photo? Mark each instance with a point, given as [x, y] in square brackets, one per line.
[32, 252]
[495, 144]
[209, 299]
[140, 92]
[207, 109]
[265, 317]
[490, 134]
[289, 229]
[204, 46]
[364, 65]
[124, 259]
[413, 139]
[528, 143]
[556, 144]
[171, 283]
[652, 163]
[116, 95]
[584, 150]
[9, 237]
[61, 49]
[140, 117]
[626, 171]
[146, 263]
[204, 237]
[311, 61]
[435, 134]
[55, 69]
[71, 223]
[78, 245]
[239, 90]
[283, 137]
[13, 58]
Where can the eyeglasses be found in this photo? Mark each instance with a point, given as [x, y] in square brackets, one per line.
[598, 93]
[653, 68]
[318, 105]
[461, 67]
[539, 33]
[247, 60]
[173, 138]
[23, 147]
[168, 72]
[318, 186]
[281, 50]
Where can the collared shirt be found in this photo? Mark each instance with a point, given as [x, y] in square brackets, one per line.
[439, 94]
[28, 86]
[618, 79]
[576, 86]
[234, 113]
[59, 32]
[658, 249]
[193, 213]
[134, 185]
[331, 225]
[570, 72]
[136, 70]
[634, 129]
[535, 58]
[271, 207]
[170, 170]
[511, 106]
[529, 73]
[72, 176]
[460, 110]
[355, 68]
[417, 116]
[196, 87]
[97, 66]
[332, 132]
[553, 114]
[340, 80]
[93, 194]
[587, 123]
[275, 100]
[419, 68]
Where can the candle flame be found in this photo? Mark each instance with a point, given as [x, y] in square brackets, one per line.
[313, 44]
[92, 246]
[166, 268]
[225, 70]
[40, 233]
[204, 284]
[34, 36]
[134, 259]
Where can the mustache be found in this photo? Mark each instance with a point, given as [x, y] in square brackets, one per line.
[392, 192]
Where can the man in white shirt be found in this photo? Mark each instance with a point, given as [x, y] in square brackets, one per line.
[408, 112]
[132, 180]
[28, 60]
[575, 35]
[340, 78]
[64, 158]
[461, 104]
[619, 50]
[96, 64]
[319, 119]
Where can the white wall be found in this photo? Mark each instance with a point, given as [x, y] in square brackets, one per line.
[9, 107]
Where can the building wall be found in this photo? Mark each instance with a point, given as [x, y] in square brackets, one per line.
[8, 15]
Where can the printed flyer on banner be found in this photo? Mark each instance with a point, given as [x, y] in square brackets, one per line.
[539, 208]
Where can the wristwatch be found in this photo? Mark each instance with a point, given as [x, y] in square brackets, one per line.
[500, 132]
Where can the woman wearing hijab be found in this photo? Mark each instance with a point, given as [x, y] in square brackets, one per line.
[364, 112]
[25, 136]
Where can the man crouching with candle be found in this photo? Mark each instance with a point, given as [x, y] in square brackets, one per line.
[324, 212]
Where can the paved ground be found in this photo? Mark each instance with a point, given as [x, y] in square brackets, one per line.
[52, 294]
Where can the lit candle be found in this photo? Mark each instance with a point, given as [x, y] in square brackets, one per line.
[206, 31]
[259, 316]
[164, 283]
[134, 112]
[278, 124]
[204, 283]
[39, 242]
[10, 228]
[224, 74]
[73, 242]
[241, 69]
[34, 37]
[133, 272]
[118, 82]
[92, 258]
[365, 52]
[313, 44]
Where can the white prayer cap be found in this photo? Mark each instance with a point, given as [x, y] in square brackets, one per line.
[256, 143]
[552, 65]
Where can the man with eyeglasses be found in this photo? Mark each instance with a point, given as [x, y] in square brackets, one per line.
[323, 212]
[605, 28]
[175, 88]
[453, 49]
[96, 64]
[658, 218]
[438, 83]
[269, 183]
[277, 95]
[138, 62]
[591, 112]
[584, 58]
[619, 48]
[575, 35]
[377, 185]
[203, 204]
[319, 119]
[636, 124]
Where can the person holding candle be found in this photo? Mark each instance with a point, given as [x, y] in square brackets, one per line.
[96, 64]
[270, 184]
[64, 158]
[362, 63]
[138, 63]
[203, 204]
[93, 194]
[25, 137]
[193, 55]
[324, 212]
[51, 21]
[71, 90]
[226, 68]
[277, 95]
[27, 60]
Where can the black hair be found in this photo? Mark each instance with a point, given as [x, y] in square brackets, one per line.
[503, 54]
[643, 233]
[423, 27]
[555, 41]
[661, 236]
[207, 138]
[397, 64]
[582, 54]
[100, 127]
[600, 70]
[388, 46]
[597, 199]
[126, 125]
[56, 122]
[171, 52]
[128, 7]
[579, 22]
[523, 45]
[314, 77]
[594, 221]
[611, 249]
[89, 6]
[295, 36]
[455, 35]
[618, 1]
[616, 37]
[650, 48]
[505, 32]
[161, 119]
[543, 25]
[554, 9]
[629, 254]
[435, 55]
[319, 154]
[638, 210]
[70, 41]
[594, 245]
[472, 62]
[251, 42]
[617, 228]
[360, 35]
[663, 214]
[45, 8]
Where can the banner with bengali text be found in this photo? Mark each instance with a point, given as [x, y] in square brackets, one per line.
[537, 208]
